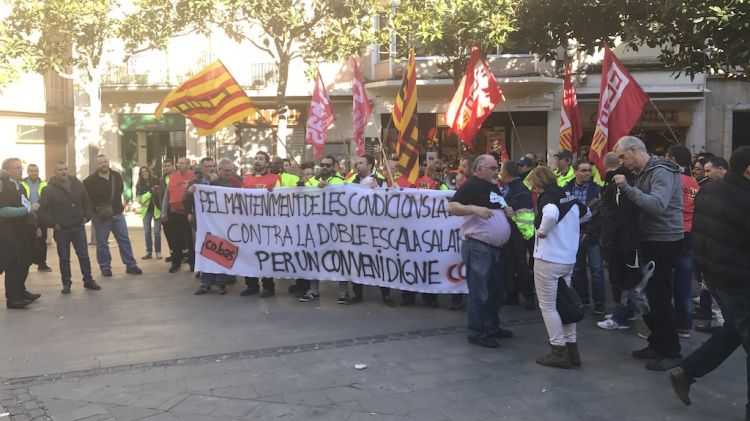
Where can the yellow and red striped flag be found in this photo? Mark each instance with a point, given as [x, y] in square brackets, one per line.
[212, 100]
[570, 122]
[405, 120]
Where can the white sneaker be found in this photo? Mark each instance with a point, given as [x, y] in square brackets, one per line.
[308, 297]
[158, 255]
[610, 324]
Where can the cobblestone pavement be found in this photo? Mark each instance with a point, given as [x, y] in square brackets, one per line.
[145, 348]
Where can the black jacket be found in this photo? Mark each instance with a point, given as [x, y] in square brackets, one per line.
[615, 220]
[17, 233]
[63, 208]
[100, 190]
[721, 234]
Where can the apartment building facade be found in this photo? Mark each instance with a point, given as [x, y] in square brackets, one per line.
[704, 114]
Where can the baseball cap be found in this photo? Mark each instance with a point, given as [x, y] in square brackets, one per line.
[526, 162]
[565, 154]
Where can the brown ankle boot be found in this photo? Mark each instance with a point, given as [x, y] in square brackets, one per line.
[557, 358]
[573, 354]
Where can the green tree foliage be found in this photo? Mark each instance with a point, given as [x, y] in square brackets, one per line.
[59, 35]
[314, 30]
[694, 36]
[448, 28]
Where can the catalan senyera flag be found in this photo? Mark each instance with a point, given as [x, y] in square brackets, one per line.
[621, 102]
[212, 100]
[570, 121]
[405, 120]
[476, 97]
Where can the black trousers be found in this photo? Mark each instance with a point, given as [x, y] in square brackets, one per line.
[661, 319]
[182, 238]
[722, 344]
[517, 276]
[167, 228]
[42, 247]
[268, 284]
[15, 280]
[411, 296]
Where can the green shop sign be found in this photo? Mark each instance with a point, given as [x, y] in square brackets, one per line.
[149, 123]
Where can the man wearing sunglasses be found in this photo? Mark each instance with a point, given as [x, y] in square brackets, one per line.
[327, 175]
[486, 230]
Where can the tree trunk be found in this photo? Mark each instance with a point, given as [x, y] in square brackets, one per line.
[87, 117]
[282, 132]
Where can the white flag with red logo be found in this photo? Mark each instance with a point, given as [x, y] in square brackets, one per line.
[475, 98]
[621, 102]
[360, 111]
[320, 117]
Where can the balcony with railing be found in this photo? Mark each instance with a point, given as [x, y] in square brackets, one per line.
[160, 74]
[502, 65]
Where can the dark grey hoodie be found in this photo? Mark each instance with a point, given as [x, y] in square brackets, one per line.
[658, 193]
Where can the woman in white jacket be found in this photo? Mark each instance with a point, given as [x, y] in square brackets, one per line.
[557, 222]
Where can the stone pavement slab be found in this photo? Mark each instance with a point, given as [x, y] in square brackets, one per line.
[146, 348]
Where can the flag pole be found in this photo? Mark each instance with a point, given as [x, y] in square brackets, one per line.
[276, 134]
[349, 147]
[513, 125]
[676, 141]
[382, 147]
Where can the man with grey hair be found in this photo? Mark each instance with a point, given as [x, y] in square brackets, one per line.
[227, 170]
[486, 230]
[657, 192]
[17, 226]
[611, 162]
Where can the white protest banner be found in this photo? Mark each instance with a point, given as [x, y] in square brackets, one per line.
[403, 239]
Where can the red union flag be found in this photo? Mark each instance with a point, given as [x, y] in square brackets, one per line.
[621, 102]
[360, 111]
[320, 117]
[570, 121]
[475, 98]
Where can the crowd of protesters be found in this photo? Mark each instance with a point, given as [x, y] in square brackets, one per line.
[657, 225]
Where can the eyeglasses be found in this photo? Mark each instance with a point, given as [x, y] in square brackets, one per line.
[326, 165]
[582, 170]
[493, 168]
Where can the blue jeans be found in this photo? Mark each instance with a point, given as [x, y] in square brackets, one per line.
[722, 344]
[484, 271]
[623, 312]
[119, 229]
[147, 231]
[77, 236]
[683, 281]
[589, 254]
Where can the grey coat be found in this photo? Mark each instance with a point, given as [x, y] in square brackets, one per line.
[658, 193]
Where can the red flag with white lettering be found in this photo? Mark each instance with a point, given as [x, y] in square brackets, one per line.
[475, 98]
[360, 111]
[621, 102]
[319, 119]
